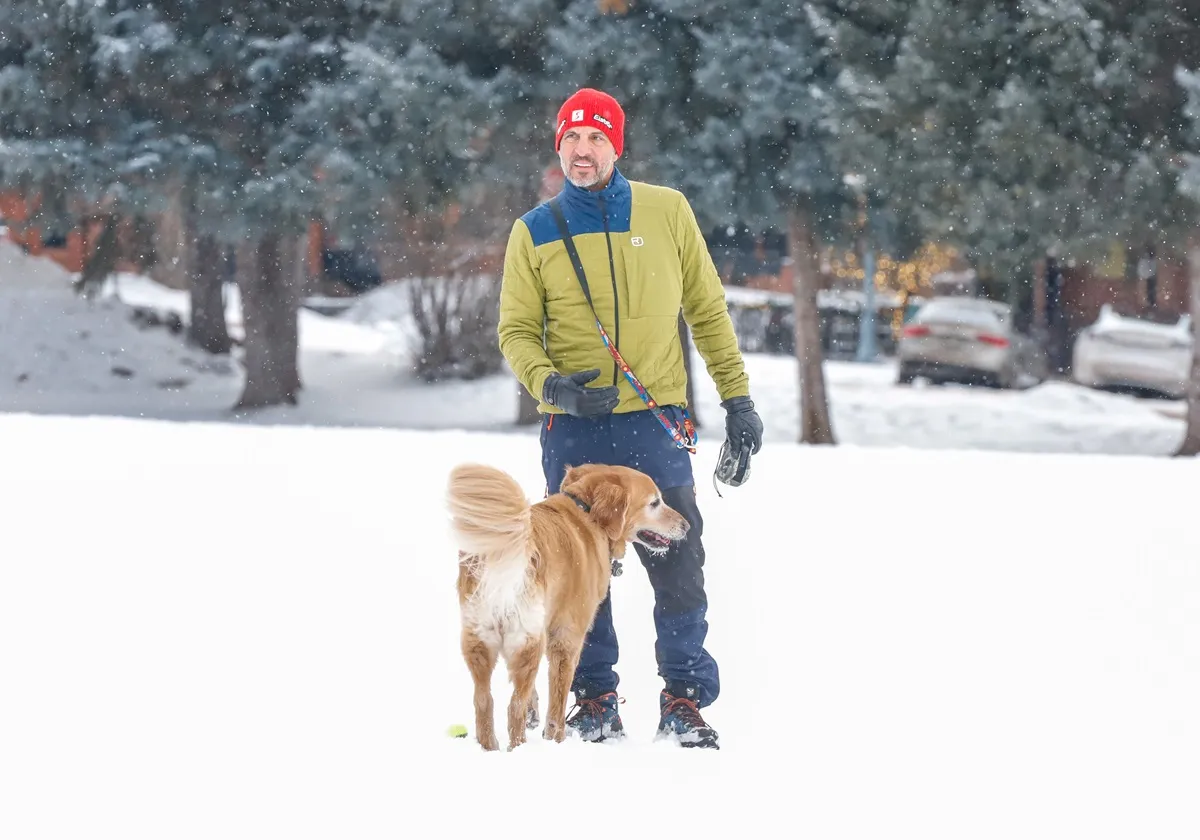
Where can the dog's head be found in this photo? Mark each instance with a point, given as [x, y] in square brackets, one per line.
[627, 506]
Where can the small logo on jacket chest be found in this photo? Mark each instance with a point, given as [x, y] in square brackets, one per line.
[637, 241]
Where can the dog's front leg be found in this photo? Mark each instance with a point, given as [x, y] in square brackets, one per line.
[481, 661]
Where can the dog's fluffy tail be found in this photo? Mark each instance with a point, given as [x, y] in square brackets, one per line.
[491, 519]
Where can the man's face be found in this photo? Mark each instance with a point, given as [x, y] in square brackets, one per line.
[587, 157]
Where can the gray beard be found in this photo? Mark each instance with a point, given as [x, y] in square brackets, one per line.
[589, 181]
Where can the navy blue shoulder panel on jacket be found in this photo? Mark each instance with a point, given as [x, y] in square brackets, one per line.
[585, 211]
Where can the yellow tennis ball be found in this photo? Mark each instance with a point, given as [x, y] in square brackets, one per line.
[457, 730]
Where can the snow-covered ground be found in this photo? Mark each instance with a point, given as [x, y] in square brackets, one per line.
[247, 628]
[209, 630]
[63, 355]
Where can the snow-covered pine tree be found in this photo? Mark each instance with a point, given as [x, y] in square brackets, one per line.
[68, 144]
[1011, 128]
[121, 101]
[863, 38]
[428, 117]
[233, 81]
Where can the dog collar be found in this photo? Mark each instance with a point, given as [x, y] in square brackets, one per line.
[583, 506]
[586, 508]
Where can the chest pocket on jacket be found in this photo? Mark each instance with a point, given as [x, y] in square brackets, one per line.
[653, 278]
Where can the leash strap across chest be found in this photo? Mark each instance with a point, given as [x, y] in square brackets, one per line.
[684, 434]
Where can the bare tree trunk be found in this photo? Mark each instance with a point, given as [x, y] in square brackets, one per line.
[102, 261]
[172, 242]
[207, 328]
[685, 341]
[814, 401]
[186, 261]
[269, 278]
[1191, 438]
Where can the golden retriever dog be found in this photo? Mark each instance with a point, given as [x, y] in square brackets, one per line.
[531, 576]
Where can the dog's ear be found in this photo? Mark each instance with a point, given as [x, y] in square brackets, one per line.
[577, 479]
[570, 476]
[604, 494]
[610, 509]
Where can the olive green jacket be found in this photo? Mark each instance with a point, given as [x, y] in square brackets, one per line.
[645, 261]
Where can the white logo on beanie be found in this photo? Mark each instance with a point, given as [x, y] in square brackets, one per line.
[577, 115]
[602, 121]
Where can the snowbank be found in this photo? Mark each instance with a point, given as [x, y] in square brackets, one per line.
[63, 355]
[55, 343]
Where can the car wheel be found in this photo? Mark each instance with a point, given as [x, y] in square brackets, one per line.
[906, 376]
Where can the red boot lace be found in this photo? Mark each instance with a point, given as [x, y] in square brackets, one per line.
[685, 709]
[591, 706]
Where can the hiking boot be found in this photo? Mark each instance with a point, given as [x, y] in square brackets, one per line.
[680, 718]
[596, 718]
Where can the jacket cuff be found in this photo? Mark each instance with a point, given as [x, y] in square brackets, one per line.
[539, 383]
[739, 403]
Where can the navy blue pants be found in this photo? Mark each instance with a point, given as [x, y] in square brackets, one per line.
[636, 439]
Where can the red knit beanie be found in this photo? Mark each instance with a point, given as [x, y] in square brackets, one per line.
[594, 109]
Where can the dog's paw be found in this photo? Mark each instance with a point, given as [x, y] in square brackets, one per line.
[554, 732]
[489, 744]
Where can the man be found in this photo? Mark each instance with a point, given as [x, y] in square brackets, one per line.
[644, 260]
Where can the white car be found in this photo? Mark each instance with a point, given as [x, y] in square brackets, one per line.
[1121, 352]
[971, 340]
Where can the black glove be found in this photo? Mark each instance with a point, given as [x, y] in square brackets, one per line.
[743, 437]
[743, 426]
[569, 394]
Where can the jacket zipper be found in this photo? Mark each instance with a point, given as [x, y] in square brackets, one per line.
[612, 272]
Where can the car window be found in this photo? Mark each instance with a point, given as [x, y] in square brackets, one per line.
[975, 315]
